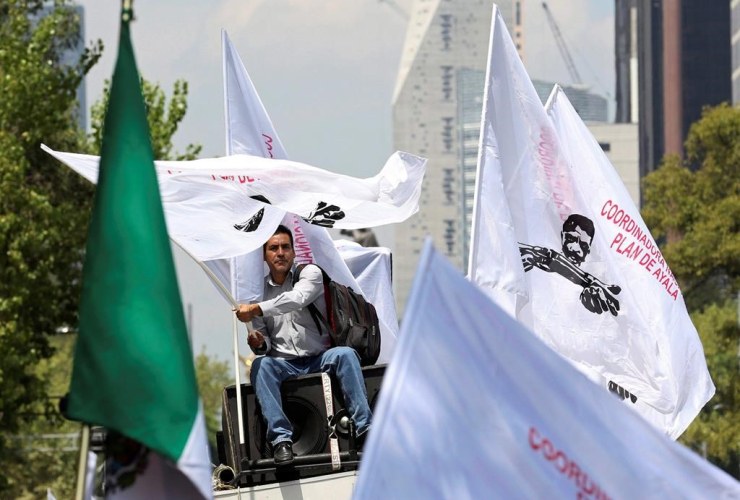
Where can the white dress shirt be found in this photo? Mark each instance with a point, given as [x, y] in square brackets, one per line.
[290, 331]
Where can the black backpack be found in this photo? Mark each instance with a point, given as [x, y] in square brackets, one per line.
[351, 320]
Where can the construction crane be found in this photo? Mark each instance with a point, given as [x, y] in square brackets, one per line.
[561, 46]
[397, 8]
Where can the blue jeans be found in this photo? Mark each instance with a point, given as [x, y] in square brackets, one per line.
[342, 362]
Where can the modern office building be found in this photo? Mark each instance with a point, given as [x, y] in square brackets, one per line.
[625, 58]
[619, 142]
[471, 84]
[589, 106]
[71, 56]
[684, 65]
[438, 91]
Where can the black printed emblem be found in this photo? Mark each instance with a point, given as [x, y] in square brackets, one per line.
[576, 238]
[125, 460]
[253, 222]
[325, 215]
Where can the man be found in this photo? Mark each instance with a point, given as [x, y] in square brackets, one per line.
[287, 336]
[575, 238]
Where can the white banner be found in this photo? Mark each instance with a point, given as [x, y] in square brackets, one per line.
[475, 406]
[588, 301]
[650, 297]
[372, 267]
[210, 210]
[249, 130]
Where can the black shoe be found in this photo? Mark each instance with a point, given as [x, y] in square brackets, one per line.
[283, 453]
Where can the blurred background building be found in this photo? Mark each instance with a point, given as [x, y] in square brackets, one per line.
[441, 77]
[684, 64]
[591, 107]
[70, 57]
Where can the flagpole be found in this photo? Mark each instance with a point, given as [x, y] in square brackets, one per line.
[235, 304]
[82, 469]
[237, 376]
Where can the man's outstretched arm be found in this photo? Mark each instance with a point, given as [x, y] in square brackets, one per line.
[539, 257]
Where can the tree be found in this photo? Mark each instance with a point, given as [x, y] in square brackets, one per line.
[162, 124]
[212, 377]
[43, 452]
[693, 207]
[43, 206]
[44, 211]
[698, 212]
[716, 432]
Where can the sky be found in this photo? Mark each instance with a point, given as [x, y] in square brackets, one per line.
[325, 71]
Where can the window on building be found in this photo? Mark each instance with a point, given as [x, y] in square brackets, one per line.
[518, 21]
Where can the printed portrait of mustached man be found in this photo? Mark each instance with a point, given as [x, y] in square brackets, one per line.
[576, 239]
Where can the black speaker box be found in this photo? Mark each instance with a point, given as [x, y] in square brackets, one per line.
[303, 403]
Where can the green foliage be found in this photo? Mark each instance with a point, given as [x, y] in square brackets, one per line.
[44, 211]
[212, 377]
[42, 454]
[43, 205]
[716, 431]
[162, 124]
[696, 213]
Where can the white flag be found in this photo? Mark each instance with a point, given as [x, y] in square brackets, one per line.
[372, 268]
[650, 292]
[583, 298]
[249, 130]
[210, 210]
[494, 262]
[474, 406]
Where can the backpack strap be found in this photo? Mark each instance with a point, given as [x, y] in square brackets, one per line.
[316, 315]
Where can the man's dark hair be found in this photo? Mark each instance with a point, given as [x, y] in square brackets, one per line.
[575, 220]
[280, 230]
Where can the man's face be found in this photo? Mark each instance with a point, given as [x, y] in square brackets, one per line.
[279, 254]
[576, 244]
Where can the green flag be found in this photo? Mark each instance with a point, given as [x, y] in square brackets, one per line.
[133, 367]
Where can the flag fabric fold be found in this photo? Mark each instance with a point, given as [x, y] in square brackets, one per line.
[215, 208]
[474, 405]
[373, 270]
[544, 246]
[133, 367]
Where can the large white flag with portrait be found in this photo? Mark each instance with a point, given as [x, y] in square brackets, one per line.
[249, 130]
[650, 291]
[595, 290]
[473, 406]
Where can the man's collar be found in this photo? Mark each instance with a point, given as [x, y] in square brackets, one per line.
[287, 278]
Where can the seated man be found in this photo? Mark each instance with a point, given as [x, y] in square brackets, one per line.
[287, 335]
